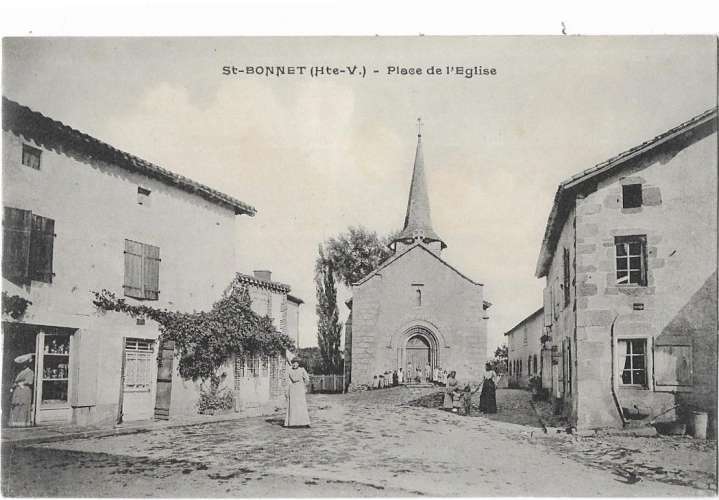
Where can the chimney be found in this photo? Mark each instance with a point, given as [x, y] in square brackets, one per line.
[263, 275]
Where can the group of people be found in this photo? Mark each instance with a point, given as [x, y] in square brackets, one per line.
[392, 378]
[458, 398]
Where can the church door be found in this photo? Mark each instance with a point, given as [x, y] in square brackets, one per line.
[418, 354]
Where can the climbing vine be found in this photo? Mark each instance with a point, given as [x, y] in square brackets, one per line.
[206, 340]
[14, 305]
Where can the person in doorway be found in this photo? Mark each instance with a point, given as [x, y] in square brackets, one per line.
[400, 377]
[410, 372]
[449, 392]
[418, 375]
[297, 378]
[21, 399]
[375, 382]
[488, 396]
[435, 375]
[427, 373]
[395, 378]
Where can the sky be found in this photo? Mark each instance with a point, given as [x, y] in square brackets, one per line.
[316, 155]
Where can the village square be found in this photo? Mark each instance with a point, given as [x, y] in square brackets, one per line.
[155, 345]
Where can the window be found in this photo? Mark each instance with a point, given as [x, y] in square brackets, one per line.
[142, 270]
[634, 370]
[631, 195]
[143, 196]
[631, 260]
[534, 361]
[566, 277]
[139, 359]
[28, 245]
[31, 157]
[250, 365]
[529, 365]
[418, 298]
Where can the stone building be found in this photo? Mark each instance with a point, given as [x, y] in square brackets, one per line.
[259, 381]
[80, 215]
[415, 307]
[524, 349]
[630, 259]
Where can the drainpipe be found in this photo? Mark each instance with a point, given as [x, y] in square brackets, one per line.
[614, 377]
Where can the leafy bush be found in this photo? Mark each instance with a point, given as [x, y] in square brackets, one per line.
[215, 399]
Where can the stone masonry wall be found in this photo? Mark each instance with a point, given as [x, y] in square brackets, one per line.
[384, 307]
[678, 218]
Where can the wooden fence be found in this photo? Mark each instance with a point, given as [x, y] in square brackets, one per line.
[327, 383]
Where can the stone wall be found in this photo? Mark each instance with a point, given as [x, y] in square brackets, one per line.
[523, 342]
[678, 220]
[385, 307]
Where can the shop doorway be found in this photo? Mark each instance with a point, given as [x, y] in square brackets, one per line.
[17, 340]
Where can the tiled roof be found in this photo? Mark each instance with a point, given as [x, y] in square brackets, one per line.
[525, 320]
[271, 285]
[569, 187]
[53, 134]
[295, 299]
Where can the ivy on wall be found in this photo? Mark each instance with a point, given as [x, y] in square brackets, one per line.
[206, 340]
[14, 305]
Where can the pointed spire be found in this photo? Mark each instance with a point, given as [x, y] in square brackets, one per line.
[418, 219]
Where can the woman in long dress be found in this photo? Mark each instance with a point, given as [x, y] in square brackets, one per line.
[488, 396]
[297, 379]
[449, 390]
[21, 400]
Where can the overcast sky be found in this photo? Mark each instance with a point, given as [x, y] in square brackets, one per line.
[317, 155]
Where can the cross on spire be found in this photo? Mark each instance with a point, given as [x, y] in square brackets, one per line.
[419, 127]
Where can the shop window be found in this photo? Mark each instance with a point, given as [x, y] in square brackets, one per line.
[631, 195]
[142, 270]
[31, 156]
[634, 367]
[28, 246]
[631, 260]
[139, 359]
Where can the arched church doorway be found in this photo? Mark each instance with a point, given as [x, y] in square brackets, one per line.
[417, 351]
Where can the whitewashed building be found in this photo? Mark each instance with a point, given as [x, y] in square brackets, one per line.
[81, 216]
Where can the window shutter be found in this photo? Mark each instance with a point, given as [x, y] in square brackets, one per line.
[133, 269]
[548, 306]
[151, 272]
[672, 366]
[16, 244]
[42, 239]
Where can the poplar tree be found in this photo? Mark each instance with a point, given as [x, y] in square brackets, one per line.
[329, 327]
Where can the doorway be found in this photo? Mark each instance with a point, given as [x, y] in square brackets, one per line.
[17, 340]
[418, 350]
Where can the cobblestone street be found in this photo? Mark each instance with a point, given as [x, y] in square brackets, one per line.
[365, 444]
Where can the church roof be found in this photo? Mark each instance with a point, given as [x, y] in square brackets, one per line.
[418, 219]
[398, 256]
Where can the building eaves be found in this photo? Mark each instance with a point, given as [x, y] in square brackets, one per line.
[568, 188]
[294, 299]
[270, 285]
[524, 321]
[55, 135]
[396, 257]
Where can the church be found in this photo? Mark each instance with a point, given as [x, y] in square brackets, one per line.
[416, 309]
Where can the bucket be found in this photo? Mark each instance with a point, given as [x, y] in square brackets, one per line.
[698, 424]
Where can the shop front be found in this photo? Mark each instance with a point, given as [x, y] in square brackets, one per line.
[37, 378]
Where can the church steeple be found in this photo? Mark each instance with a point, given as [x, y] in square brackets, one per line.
[418, 219]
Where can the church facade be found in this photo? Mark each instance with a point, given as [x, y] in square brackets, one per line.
[415, 308]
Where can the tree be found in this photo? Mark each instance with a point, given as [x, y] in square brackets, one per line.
[499, 362]
[356, 253]
[329, 327]
[206, 340]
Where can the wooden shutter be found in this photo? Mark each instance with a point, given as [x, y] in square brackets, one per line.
[133, 269]
[16, 244]
[151, 272]
[672, 366]
[548, 306]
[42, 239]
